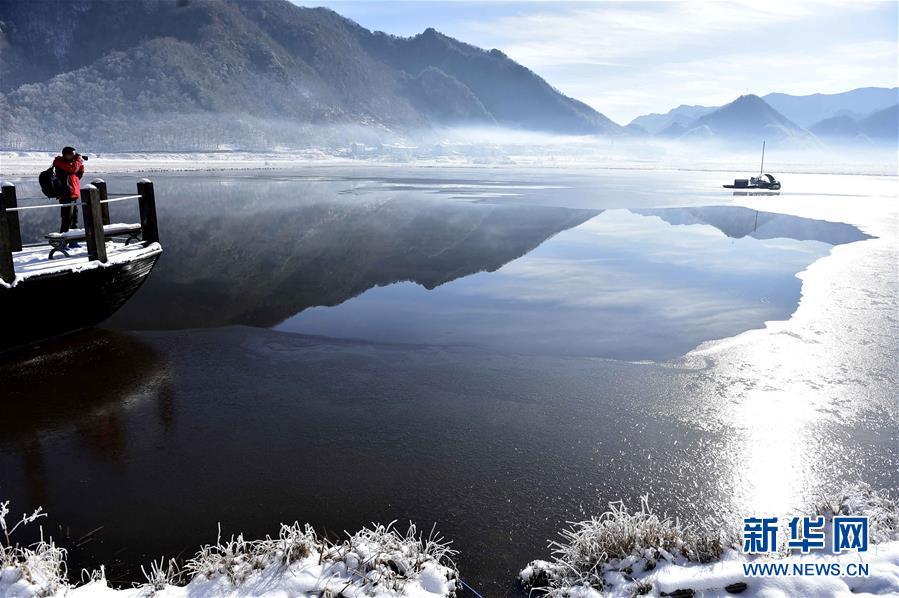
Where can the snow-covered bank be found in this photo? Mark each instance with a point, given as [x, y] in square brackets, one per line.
[623, 554]
[508, 150]
[375, 562]
[618, 554]
[726, 577]
[32, 162]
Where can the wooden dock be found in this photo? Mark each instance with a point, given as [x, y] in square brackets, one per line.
[47, 296]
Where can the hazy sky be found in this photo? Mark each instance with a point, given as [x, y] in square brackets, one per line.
[630, 58]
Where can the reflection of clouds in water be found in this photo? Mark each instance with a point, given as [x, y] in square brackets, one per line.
[458, 190]
[474, 186]
[623, 233]
[612, 303]
[603, 263]
[621, 285]
[581, 284]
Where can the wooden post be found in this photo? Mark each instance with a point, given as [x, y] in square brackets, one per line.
[148, 225]
[7, 268]
[93, 223]
[12, 218]
[100, 184]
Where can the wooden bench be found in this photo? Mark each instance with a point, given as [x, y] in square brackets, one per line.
[59, 241]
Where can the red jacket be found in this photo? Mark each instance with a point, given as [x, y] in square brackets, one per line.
[72, 171]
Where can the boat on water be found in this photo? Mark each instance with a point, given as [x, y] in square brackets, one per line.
[762, 181]
[55, 288]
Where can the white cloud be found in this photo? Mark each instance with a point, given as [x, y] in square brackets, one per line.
[717, 80]
[599, 33]
[629, 58]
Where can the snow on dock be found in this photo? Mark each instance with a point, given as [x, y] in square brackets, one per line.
[19, 262]
[34, 260]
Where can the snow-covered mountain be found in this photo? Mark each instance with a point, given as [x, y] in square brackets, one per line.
[189, 74]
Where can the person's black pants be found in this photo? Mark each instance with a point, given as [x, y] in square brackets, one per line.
[68, 215]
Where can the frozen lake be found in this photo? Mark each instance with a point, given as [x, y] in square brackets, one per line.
[496, 351]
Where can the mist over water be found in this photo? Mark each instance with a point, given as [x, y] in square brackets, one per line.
[288, 143]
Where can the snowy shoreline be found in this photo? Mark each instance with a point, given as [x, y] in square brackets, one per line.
[621, 554]
[726, 577]
[30, 163]
[379, 562]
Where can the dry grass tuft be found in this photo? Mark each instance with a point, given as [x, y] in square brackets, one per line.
[621, 546]
[42, 564]
[375, 558]
[623, 542]
[862, 500]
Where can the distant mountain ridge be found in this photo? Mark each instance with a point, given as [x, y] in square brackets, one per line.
[682, 115]
[881, 125]
[809, 109]
[187, 74]
[865, 114]
[747, 117]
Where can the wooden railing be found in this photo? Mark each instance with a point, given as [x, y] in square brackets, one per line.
[94, 204]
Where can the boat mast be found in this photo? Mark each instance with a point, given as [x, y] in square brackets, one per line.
[762, 167]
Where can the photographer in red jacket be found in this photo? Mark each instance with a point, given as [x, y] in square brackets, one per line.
[68, 169]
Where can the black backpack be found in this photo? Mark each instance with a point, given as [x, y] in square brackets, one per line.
[51, 186]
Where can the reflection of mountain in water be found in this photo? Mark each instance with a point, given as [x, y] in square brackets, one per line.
[738, 222]
[226, 266]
